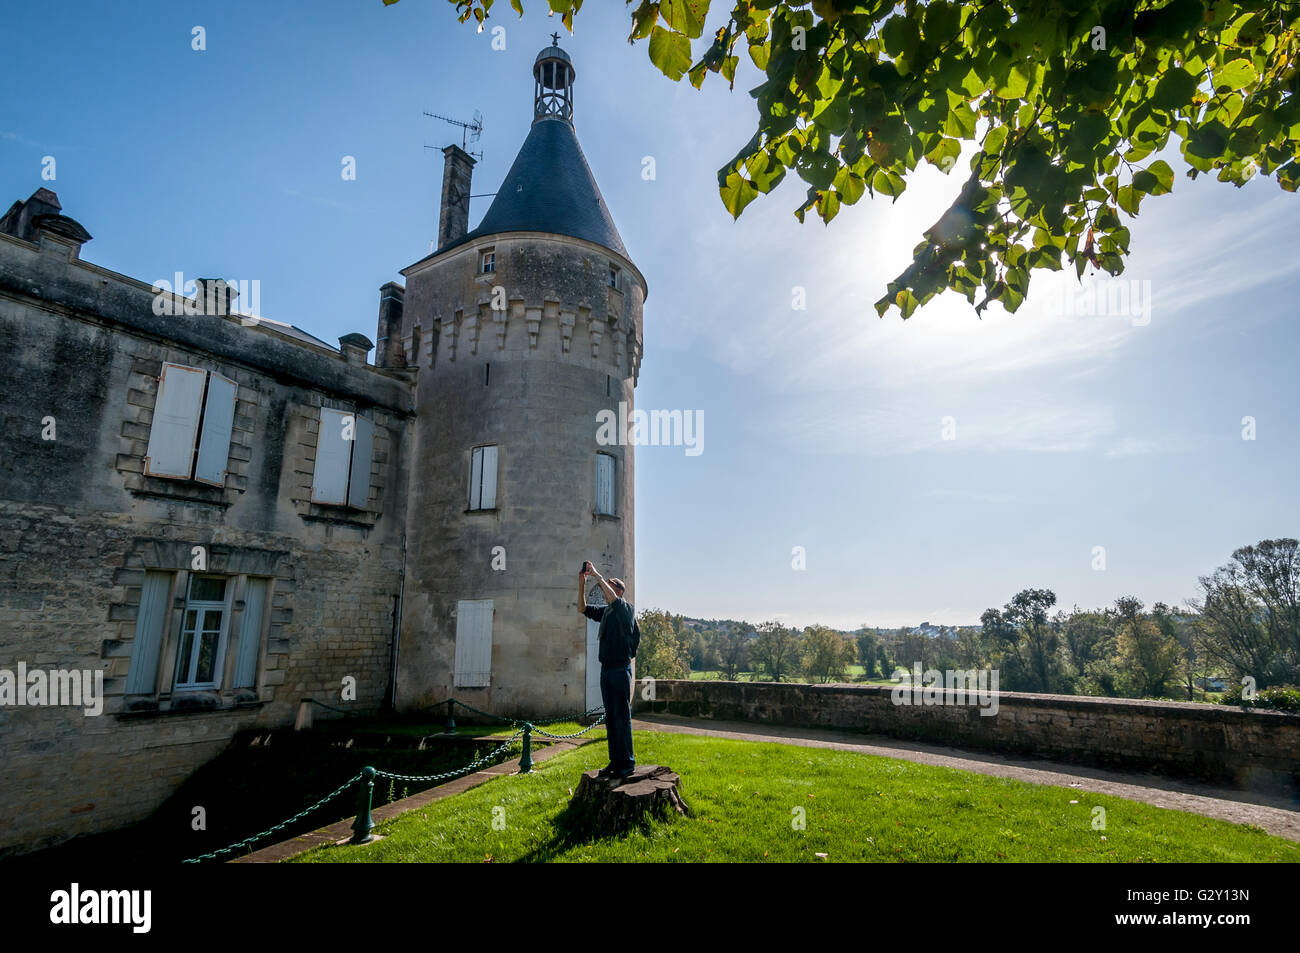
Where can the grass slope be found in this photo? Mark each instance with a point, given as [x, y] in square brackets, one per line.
[856, 808]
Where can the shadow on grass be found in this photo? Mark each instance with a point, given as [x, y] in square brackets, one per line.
[578, 825]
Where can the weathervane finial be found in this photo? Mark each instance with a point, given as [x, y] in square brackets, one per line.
[555, 39]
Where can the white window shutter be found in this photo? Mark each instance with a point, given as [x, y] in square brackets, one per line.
[142, 678]
[604, 483]
[333, 457]
[473, 667]
[250, 633]
[175, 422]
[214, 441]
[489, 500]
[475, 478]
[363, 451]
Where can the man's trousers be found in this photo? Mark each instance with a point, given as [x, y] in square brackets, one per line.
[616, 694]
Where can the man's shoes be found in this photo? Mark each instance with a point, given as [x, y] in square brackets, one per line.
[625, 773]
[606, 772]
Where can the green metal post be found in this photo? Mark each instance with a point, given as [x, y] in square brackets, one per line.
[363, 825]
[451, 716]
[526, 762]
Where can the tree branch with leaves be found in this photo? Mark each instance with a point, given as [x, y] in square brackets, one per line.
[1070, 102]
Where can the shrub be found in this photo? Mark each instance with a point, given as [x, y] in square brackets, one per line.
[1278, 698]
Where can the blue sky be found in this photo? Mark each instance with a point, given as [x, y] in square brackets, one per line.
[824, 426]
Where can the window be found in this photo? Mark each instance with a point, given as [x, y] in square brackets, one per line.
[203, 634]
[192, 420]
[345, 447]
[605, 484]
[473, 643]
[198, 638]
[613, 276]
[487, 261]
[483, 479]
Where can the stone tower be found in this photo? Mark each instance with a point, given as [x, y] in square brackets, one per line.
[523, 330]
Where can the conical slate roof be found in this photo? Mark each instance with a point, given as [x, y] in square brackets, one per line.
[549, 189]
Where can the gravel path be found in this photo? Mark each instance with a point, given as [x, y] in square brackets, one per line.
[1276, 813]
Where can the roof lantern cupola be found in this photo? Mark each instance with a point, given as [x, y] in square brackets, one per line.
[553, 76]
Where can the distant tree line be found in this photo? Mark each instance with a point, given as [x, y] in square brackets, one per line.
[1245, 623]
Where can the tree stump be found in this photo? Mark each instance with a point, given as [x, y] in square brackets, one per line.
[612, 806]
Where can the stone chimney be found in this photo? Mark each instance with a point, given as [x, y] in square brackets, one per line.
[42, 215]
[388, 350]
[215, 296]
[457, 171]
[354, 347]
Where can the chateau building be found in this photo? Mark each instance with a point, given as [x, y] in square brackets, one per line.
[207, 517]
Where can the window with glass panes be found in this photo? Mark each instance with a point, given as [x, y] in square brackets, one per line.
[203, 633]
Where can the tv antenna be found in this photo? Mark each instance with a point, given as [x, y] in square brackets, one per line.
[469, 131]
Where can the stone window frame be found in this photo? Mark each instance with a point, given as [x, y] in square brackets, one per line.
[487, 260]
[611, 513]
[303, 428]
[176, 557]
[469, 480]
[141, 399]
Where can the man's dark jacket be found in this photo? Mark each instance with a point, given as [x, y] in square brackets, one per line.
[619, 634]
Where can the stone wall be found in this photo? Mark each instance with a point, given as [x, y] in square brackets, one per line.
[1211, 742]
[81, 527]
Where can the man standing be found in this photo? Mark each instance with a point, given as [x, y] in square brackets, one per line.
[618, 638]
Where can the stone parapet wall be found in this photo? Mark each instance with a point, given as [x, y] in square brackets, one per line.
[1213, 742]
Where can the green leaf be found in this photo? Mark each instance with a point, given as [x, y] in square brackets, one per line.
[1174, 90]
[944, 154]
[995, 140]
[1015, 85]
[671, 52]
[685, 16]
[828, 206]
[941, 20]
[737, 192]
[834, 114]
[1129, 199]
[906, 302]
[901, 37]
[960, 122]
[888, 183]
[1164, 176]
[849, 185]
[1235, 74]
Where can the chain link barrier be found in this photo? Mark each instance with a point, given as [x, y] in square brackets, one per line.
[448, 775]
[527, 727]
[547, 734]
[212, 855]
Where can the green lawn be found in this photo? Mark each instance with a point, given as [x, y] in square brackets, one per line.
[856, 808]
